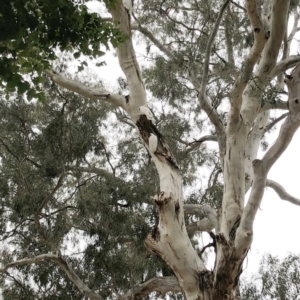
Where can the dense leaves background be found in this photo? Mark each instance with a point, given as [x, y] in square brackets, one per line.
[74, 176]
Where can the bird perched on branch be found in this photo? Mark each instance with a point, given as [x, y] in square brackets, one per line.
[152, 143]
[144, 110]
[153, 138]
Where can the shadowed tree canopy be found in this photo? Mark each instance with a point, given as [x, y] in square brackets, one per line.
[105, 191]
[32, 33]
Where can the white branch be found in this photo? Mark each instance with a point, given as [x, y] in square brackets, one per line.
[169, 239]
[282, 193]
[83, 90]
[268, 60]
[261, 169]
[277, 32]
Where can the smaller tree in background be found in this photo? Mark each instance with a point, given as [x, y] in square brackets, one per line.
[276, 279]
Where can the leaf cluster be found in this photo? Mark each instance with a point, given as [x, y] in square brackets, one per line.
[32, 32]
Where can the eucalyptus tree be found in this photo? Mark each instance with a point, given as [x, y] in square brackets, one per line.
[217, 70]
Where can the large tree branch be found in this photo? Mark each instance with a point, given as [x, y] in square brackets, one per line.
[155, 284]
[261, 169]
[83, 288]
[83, 90]
[282, 193]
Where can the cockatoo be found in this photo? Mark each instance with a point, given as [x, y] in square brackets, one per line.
[152, 143]
[144, 110]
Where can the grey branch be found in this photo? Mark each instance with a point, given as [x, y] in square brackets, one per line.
[282, 193]
[205, 225]
[209, 46]
[273, 123]
[279, 104]
[153, 39]
[63, 264]
[209, 215]
[155, 284]
[196, 144]
[284, 65]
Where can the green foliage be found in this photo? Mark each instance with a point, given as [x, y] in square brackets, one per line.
[276, 279]
[32, 32]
